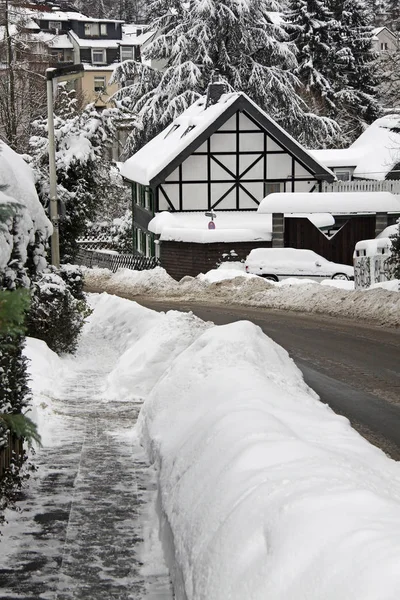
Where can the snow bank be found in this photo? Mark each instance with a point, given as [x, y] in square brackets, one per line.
[144, 362]
[335, 298]
[46, 370]
[266, 492]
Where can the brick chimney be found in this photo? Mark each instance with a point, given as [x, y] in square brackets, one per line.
[214, 92]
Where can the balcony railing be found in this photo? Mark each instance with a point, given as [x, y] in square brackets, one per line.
[363, 185]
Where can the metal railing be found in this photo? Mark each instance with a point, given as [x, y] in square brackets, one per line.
[113, 261]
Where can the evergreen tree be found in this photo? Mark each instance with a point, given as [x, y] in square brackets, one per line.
[355, 64]
[83, 170]
[311, 27]
[393, 9]
[239, 39]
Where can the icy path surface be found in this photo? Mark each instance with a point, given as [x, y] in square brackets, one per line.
[81, 521]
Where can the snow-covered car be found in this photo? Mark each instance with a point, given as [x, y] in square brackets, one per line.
[279, 263]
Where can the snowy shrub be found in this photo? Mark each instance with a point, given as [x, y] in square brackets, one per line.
[395, 257]
[56, 316]
[86, 177]
[230, 256]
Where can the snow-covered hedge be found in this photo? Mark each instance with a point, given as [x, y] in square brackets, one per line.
[24, 233]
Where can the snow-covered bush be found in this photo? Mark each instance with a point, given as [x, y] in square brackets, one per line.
[85, 176]
[395, 256]
[24, 227]
[56, 316]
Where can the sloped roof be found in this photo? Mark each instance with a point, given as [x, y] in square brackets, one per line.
[373, 155]
[157, 159]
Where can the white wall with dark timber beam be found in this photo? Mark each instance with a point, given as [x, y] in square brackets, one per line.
[234, 169]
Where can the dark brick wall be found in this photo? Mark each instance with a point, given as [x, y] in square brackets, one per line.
[181, 258]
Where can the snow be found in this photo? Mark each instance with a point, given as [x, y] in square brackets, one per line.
[333, 202]
[389, 231]
[267, 492]
[380, 245]
[229, 226]
[18, 179]
[150, 160]
[93, 43]
[374, 153]
[374, 305]
[263, 490]
[46, 371]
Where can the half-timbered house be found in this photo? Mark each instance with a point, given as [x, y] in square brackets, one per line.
[222, 154]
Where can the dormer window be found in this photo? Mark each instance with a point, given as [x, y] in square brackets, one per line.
[173, 128]
[54, 25]
[91, 29]
[103, 28]
[187, 130]
[126, 53]
[99, 56]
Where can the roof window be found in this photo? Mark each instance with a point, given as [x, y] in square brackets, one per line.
[173, 128]
[187, 130]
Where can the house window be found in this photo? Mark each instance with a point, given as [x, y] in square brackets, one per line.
[384, 46]
[54, 25]
[57, 55]
[148, 199]
[91, 29]
[126, 53]
[272, 188]
[98, 56]
[99, 84]
[103, 29]
[343, 175]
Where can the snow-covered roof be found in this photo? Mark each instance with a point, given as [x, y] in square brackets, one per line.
[185, 134]
[377, 30]
[332, 202]
[373, 155]
[52, 40]
[381, 148]
[63, 16]
[338, 157]
[130, 36]
[94, 43]
[230, 226]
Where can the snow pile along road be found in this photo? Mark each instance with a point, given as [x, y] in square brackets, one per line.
[263, 490]
[333, 298]
[266, 492]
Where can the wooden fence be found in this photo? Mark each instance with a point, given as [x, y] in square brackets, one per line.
[12, 449]
[114, 261]
[363, 185]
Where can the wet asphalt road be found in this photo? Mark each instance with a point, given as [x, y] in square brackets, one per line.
[353, 367]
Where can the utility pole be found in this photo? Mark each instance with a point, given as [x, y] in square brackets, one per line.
[53, 76]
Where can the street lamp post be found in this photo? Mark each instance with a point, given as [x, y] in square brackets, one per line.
[53, 77]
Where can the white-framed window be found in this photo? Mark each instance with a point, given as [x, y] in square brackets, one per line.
[99, 83]
[126, 53]
[98, 56]
[148, 245]
[103, 28]
[54, 25]
[91, 29]
[343, 175]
